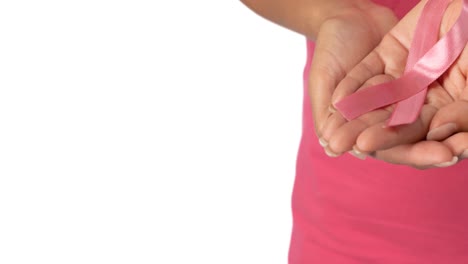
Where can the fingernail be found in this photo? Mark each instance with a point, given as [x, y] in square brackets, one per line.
[448, 163]
[442, 131]
[359, 152]
[323, 142]
[332, 109]
[331, 153]
[357, 155]
[464, 155]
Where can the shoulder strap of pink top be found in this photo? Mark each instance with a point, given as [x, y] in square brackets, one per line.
[426, 62]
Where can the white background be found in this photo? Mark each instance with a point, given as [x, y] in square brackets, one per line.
[146, 132]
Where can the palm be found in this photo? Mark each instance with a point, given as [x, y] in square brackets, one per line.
[387, 62]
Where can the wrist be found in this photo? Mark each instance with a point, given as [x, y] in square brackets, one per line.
[323, 10]
[337, 9]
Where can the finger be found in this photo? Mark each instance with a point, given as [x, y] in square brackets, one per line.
[421, 155]
[321, 82]
[449, 120]
[458, 144]
[341, 135]
[325, 72]
[344, 138]
[335, 121]
[370, 66]
[380, 137]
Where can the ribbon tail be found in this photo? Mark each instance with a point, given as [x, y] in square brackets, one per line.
[425, 36]
[408, 110]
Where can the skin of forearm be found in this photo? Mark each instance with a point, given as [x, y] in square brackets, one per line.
[302, 16]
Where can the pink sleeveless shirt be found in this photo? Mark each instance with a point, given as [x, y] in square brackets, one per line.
[349, 211]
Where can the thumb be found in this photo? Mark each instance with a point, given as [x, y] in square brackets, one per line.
[449, 120]
[324, 75]
[321, 84]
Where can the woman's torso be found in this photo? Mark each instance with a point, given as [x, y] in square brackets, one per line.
[349, 211]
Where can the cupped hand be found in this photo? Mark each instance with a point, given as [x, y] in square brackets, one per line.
[343, 40]
[450, 126]
[403, 144]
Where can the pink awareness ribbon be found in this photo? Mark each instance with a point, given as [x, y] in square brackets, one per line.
[427, 60]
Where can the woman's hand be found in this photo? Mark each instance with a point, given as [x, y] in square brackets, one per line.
[345, 32]
[367, 133]
[450, 125]
[343, 40]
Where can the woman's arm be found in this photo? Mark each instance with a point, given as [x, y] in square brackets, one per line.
[303, 16]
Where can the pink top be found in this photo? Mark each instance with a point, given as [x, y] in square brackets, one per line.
[349, 211]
